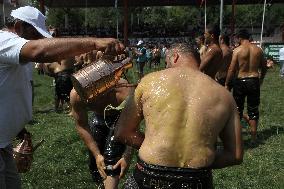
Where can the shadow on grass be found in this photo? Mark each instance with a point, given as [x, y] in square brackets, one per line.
[262, 136]
[37, 85]
[33, 122]
[44, 111]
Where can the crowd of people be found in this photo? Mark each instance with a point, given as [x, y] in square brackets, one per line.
[182, 123]
[143, 30]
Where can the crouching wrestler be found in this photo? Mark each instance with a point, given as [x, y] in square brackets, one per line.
[108, 159]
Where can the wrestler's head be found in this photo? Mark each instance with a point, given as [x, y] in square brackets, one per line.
[177, 50]
[242, 34]
[212, 33]
[225, 39]
[199, 40]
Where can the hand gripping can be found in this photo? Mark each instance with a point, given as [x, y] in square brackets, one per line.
[98, 77]
[23, 153]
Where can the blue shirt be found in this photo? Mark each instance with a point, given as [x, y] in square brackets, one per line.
[143, 57]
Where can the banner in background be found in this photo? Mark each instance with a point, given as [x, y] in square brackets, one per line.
[272, 49]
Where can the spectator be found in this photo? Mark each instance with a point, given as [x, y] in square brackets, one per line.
[281, 60]
[141, 58]
[270, 62]
[149, 55]
[156, 56]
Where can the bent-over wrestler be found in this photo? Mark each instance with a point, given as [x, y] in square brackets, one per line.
[108, 159]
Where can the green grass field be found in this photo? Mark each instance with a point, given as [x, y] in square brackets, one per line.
[62, 161]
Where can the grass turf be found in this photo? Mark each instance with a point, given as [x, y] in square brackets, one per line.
[62, 161]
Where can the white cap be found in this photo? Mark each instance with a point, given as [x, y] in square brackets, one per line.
[140, 42]
[32, 16]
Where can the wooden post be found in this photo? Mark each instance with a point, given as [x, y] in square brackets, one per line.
[221, 16]
[233, 20]
[125, 28]
[282, 31]
[41, 6]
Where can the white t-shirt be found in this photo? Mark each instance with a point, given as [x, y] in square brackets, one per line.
[15, 88]
[281, 54]
[30, 67]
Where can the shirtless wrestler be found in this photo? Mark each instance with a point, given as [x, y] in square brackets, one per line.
[249, 63]
[201, 46]
[178, 149]
[97, 136]
[63, 85]
[212, 60]
[227, 57]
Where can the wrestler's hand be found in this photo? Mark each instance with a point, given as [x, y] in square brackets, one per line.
[21, 134]
[101, 165]
[123, 166]
[109, 46]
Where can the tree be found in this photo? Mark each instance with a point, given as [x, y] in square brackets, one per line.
[172, 17]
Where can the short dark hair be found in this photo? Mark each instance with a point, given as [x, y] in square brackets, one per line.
[25, 24]
[185, 48]
[9, 22]
[226, 39]
[243, 33]
[269, 57]
[201, 38]
[213, 29]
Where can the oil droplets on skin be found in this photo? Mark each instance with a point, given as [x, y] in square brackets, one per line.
[183, 76]
[158, 89]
